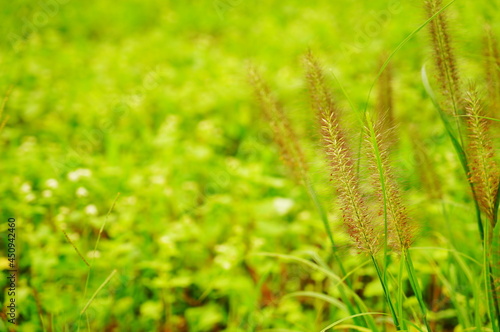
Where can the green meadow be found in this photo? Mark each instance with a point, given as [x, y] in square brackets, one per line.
[242, 165]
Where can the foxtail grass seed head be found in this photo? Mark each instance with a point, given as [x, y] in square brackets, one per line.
[385, 104]
[391, 206]
[357, 218]
[284, 136]
[484, 169]
[492, 72]
[444, 58]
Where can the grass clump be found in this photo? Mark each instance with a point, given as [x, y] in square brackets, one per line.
[383, 217]
[374, 213]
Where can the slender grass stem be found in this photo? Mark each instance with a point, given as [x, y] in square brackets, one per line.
[415, 286]
[489, 283]
[400, 291]
[90, 266]
[386, 293]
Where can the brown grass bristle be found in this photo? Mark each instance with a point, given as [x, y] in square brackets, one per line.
[358, 221]
[385, 103]
[484, 170]
[492, 72]
[445, 59]
[283, 134]
[399, 224]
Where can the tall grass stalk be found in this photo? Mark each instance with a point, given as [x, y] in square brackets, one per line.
[471, 141]
[292, 155]
[90, 266]
[358, 220]
[397, 222]
[391, 229]
[492, 71]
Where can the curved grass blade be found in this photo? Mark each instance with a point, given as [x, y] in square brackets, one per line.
[351, 327]
[320, 296]
[340, 281]
[495, 267]
[351, 317]
[97, 291]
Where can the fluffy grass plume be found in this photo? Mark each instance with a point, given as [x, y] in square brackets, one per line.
[484, 170]
[359, 222]
[385, 100]
[283, 134]
[445, 59]
[400, 229]
[492, 72]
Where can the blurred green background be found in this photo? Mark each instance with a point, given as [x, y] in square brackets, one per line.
[149, 99]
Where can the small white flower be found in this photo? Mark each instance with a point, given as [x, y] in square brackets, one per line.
[73, 176]
[82, 192]
[226, 265]
[30, 197]
[47, 193]
[52, 183]
[85, 172]
[26, 187]
[226, 256]
[222, 248]
[158, 179]
[167, 242]
[166, 239]
[79, 173]
[91, 210]
[94, 254]
[74, 236]
[282, 205]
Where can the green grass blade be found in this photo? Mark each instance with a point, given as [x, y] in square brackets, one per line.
[491, 263]
[324, 219]
[494, 264]
[481, 117]
[412, 276]
[350, 317]
[105, 282]
[495, 270]
[386, 293]
[340, 281]
[319, 296]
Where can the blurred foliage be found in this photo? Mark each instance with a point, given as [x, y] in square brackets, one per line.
[149, 99]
